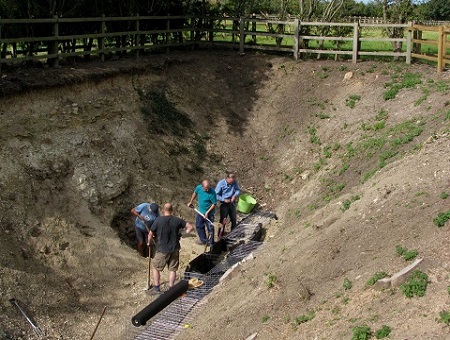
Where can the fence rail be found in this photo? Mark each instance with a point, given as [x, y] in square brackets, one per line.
[54, 39]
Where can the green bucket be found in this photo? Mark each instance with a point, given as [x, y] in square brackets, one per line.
[246, 203]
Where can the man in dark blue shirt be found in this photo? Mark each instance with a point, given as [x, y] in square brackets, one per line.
[227, 191]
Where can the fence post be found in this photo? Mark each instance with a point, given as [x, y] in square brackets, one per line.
[355, 42]
[441, 50]
[54, 48]
[254, 28]
[296, 32]
[211, 33]
[167, 34]
[409, 43]
[137, 40]
[1, 46]
[101, 40]
[241, 35]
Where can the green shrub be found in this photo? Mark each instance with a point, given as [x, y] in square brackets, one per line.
[405, 253]
[442, 218]
[347, 203]
[444, 195]
[383, 332]
[351, 100]
[416, 285]
[361, 333]
[305, 318]
[381, 116]
[375, 277]
[271, 280]
[347, 284]
[265, 318]
[444, 317]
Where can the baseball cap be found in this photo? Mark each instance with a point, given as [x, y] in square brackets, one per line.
[154, 207]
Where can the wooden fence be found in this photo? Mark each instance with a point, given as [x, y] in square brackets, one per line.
[442, 42]
[56, 38]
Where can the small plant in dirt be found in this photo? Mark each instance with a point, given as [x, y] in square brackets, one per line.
[441, 219]
[375, 277]
[347, 203]
[327, 151]
[361, 333]
[383, 332]
[305, 318]
[381, 115]
[416, 285]
[313, 135]
[271, 280]
[405, 253]
[351, 100]
[444, 317]
[265, 318]
[448, 290]
[444, 195]
[322, 115]
[319, 164]
[347, 284]
[409, 80]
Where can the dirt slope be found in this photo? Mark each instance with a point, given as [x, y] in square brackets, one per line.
[76, 158]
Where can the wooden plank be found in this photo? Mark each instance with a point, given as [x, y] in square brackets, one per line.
[269, 48]
[409, 44]
[385, 25]
[266, 34]
[425, 41]
[316, 37]
[441, 52]
[241, 35]
[424, 56]
[33, 39]
[426, 28]
[28, 21]
[318, 23]
[310, 50]
[296, 40]
[384, 39]
[281, 22]
[355, 42]
[384, 53]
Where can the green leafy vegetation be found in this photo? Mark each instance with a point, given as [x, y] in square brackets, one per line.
[409, 80]
[361, 333]
[348, 202]
[375, 277]
[305, 318]
[322, 115]
[383, 332]
[313, 135]
[444, 195]
[271, 280]
[444, 317]
[441, 219]
[416, 285]
[347, 284]
[265, 318]
[382, 115]
[405, 253]
[351, 100]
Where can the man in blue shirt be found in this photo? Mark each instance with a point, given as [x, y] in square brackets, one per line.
[146, 214]
[206, 197]
[228, 191]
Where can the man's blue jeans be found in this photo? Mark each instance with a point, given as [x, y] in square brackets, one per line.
[201, 224]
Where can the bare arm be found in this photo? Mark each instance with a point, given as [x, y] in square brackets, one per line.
[189, 227]
[135, 213]
[194, 195]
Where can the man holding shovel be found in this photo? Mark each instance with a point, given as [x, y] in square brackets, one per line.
[146, 214]
[206, 198]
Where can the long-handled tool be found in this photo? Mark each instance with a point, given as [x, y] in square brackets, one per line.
[221, 230]
[149, 260]
[208, 240]
[35, 327]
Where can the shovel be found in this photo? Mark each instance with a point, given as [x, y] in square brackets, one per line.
[35, 327]
[208, 240]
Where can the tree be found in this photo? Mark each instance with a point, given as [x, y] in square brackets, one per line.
[438, 9]
[397, 12]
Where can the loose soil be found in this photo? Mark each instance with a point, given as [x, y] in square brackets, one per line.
[83, 144]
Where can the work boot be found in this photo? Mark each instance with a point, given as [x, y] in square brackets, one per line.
[154, 291]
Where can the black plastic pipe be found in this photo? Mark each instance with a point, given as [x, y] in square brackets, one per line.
[141, 318]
